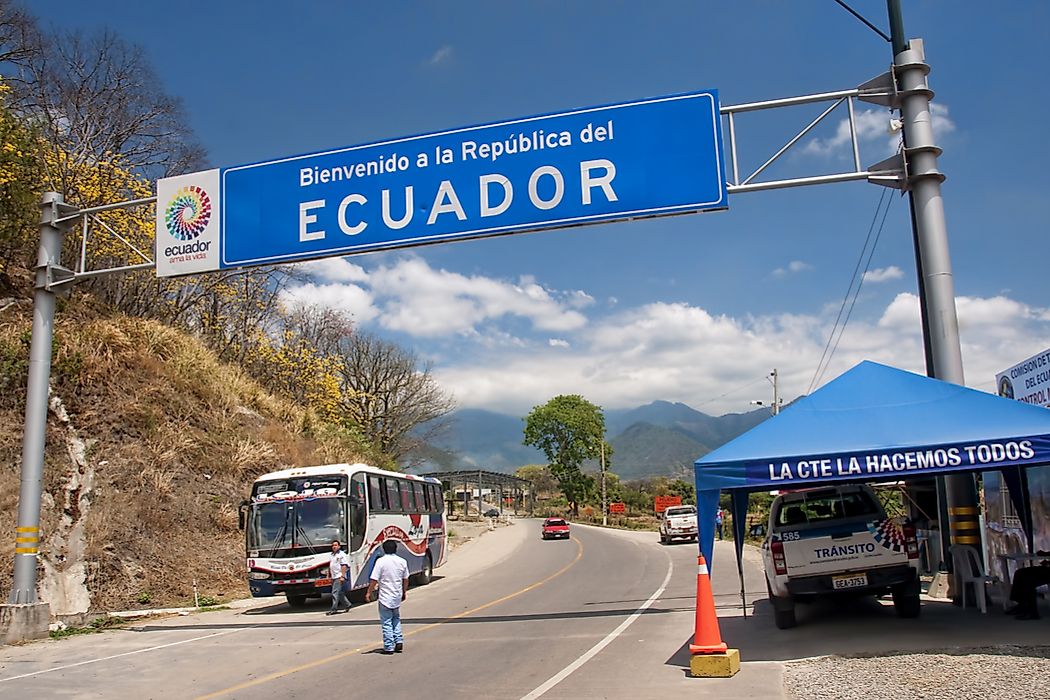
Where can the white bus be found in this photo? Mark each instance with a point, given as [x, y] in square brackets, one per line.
[294, 515]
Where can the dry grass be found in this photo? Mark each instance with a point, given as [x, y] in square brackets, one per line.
[178, 439]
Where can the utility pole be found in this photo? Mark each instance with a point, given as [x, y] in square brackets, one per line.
[605, 504]
[776, 392]
[777, 401]
[936, 286]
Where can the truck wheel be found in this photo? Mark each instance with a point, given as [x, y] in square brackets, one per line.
[906, 602]
[784, 619]
[663, 538]
[295, 601]
[783, 610]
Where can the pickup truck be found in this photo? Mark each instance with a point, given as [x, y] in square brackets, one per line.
[678, 522]
[554, 528]
[837, 541]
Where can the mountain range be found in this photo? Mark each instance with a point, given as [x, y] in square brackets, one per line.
[658, 439]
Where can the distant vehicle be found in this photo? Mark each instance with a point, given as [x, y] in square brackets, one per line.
[678, 523]
[554, 528]
[492, 513]
[294, 515]
[837, 541]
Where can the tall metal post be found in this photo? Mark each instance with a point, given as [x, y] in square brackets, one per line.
[605, 503]
[931, 237]
[27, 529]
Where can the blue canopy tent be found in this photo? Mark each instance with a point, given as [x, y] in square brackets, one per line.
[874, 423]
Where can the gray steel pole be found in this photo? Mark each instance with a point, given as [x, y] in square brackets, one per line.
[900, 44]
[27, 530]
[924, 184]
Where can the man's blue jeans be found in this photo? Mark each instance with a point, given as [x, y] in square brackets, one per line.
[390, 621]
[339, 600]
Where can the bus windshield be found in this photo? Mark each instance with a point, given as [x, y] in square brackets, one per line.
[318, 522]
[308, 523]
[301, 512]
[268, 526]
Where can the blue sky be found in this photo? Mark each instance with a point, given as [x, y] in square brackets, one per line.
[694, 308]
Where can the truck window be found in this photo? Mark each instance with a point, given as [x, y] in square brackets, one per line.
[827, 506]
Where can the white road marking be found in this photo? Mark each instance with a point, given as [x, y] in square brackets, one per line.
[117, 656]
[593, 651]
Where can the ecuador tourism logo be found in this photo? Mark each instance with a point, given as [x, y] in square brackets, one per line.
[188, 213]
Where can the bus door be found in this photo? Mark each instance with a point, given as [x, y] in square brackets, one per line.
[357, 517]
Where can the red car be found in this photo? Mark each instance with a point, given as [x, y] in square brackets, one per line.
[553, 528]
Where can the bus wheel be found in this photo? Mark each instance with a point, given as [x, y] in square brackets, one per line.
[295, 601]
[427, 574]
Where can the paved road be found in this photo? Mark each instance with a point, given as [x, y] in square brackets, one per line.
[606, 614]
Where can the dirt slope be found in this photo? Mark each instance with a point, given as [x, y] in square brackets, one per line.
[152, 444]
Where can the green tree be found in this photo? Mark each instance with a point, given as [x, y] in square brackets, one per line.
[680, 487]
[543, 482]
[568, 429]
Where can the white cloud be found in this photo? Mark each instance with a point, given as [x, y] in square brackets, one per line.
[883, 274]
[510, 345]
[793, 267]
[942, 123]
[441, 55]
[679, 352]
[411, 297]
[335, 270]
[873, 127]
[349, 298]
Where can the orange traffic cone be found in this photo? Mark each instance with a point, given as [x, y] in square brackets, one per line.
[707, 640]
[710, 658]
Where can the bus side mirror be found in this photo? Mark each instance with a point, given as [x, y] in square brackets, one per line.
[242, 515]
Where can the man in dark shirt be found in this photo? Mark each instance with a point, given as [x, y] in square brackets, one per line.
[1026, 580]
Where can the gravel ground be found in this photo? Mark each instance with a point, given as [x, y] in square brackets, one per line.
[999, 673]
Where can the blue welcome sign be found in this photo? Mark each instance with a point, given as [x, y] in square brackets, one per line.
[646, 158]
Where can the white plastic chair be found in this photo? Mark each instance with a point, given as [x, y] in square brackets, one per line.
[968, 568]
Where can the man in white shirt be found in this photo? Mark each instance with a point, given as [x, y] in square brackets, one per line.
[390, 576]
[339, 570]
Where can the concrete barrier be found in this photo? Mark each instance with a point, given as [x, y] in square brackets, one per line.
[24, 622]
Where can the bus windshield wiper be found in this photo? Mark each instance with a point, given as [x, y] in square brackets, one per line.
[300, 530]
[279, 537]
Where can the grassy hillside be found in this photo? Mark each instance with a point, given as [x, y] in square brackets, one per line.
[152, 445]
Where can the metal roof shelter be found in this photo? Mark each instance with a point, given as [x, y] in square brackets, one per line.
[469, 480]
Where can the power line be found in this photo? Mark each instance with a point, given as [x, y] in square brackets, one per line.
[845, 299]
[867, 265]
[731, 391]
[859, 16]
